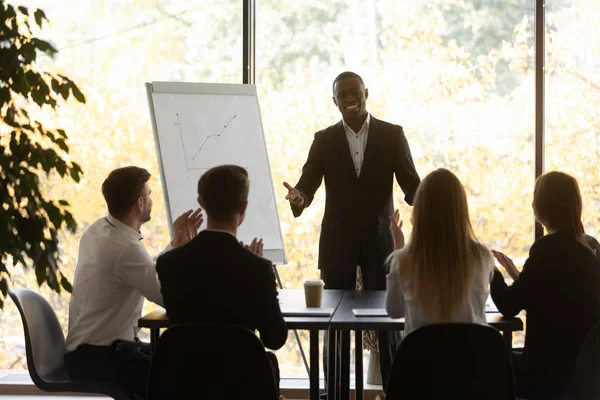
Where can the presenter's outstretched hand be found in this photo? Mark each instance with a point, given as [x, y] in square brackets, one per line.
[293, 195]
[256, 246]
[396, 229]
[186, 226]
[508, 264]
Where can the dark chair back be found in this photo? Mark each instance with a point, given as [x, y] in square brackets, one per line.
[45, 348]
[584, 383]
[452, 361]
[205, 360]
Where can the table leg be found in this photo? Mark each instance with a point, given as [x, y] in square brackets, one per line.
[345, 367]
[314, 365]
[154, 336]
[332, 353]
[358, 364]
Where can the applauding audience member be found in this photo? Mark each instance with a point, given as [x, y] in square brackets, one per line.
[114, 273]
[231, 283]
[443, 272]
[559, 288]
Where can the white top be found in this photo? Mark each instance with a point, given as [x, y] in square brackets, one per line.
[113, 275]
[357, 142]
[401, 303]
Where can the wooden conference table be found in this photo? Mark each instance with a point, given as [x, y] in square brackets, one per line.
[341, 320]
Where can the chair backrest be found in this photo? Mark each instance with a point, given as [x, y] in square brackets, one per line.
[210, 360]
[44, 338]
[584, 382]
[452, 361]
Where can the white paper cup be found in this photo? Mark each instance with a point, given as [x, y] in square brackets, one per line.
[313, 293]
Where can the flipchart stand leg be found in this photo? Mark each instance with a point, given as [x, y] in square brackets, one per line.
[295, 331]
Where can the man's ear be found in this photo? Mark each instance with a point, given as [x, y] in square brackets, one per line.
[366, 93]
[243, 207]
[139, 204]
[200, 202]
[242, 212]
[334, 101]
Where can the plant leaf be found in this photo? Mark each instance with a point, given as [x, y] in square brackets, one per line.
[4, 286]
[39, 16]
[77, 93]
[64, 282]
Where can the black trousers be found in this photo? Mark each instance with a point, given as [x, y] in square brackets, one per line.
[123, 362]
[370, 255]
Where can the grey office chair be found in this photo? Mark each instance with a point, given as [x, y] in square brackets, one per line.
[45, 348]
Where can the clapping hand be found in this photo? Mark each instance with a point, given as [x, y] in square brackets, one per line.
[293, 195]
[186, 226]
[256, 246]
[396, 229]
[507, 263]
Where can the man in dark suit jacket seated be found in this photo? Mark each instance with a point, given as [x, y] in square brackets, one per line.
[232, 282]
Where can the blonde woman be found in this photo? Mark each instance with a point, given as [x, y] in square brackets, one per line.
[443, 272]
[559, 287]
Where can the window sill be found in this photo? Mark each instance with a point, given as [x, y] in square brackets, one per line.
[18, 382]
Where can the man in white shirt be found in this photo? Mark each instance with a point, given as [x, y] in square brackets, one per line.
[114, 274]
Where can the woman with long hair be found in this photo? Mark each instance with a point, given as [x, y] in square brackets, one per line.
[559, 287]
[443, 272]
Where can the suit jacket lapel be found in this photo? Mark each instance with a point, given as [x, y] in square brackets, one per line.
[371, 148]
[342, 145]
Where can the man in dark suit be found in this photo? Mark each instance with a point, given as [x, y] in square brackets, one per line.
[358, 158]
[230, 283]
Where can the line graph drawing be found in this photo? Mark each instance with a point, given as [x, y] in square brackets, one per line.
[178, 124]
[211, 136]
[182, 144]
[217, 125]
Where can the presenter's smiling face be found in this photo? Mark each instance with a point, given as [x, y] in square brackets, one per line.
[350, 97]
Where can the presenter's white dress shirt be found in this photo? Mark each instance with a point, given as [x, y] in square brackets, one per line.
[357, 142]
[113, 275]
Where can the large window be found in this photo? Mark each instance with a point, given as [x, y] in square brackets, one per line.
[110, 49]
[573, 99]
[458, 76]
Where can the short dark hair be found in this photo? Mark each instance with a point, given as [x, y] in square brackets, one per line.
[223, 190]
[346, 75]
[122, 188]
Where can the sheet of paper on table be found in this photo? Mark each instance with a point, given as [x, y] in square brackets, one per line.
[306, 312]
[369, 312]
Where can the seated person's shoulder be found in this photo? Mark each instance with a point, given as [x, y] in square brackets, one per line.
[169, 258]
[594, 245]
[544, 244]
[484, 254]
[257, 266]
[483, 250]
[255, 259]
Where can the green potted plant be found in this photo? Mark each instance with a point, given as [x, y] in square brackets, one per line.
[30, 220]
